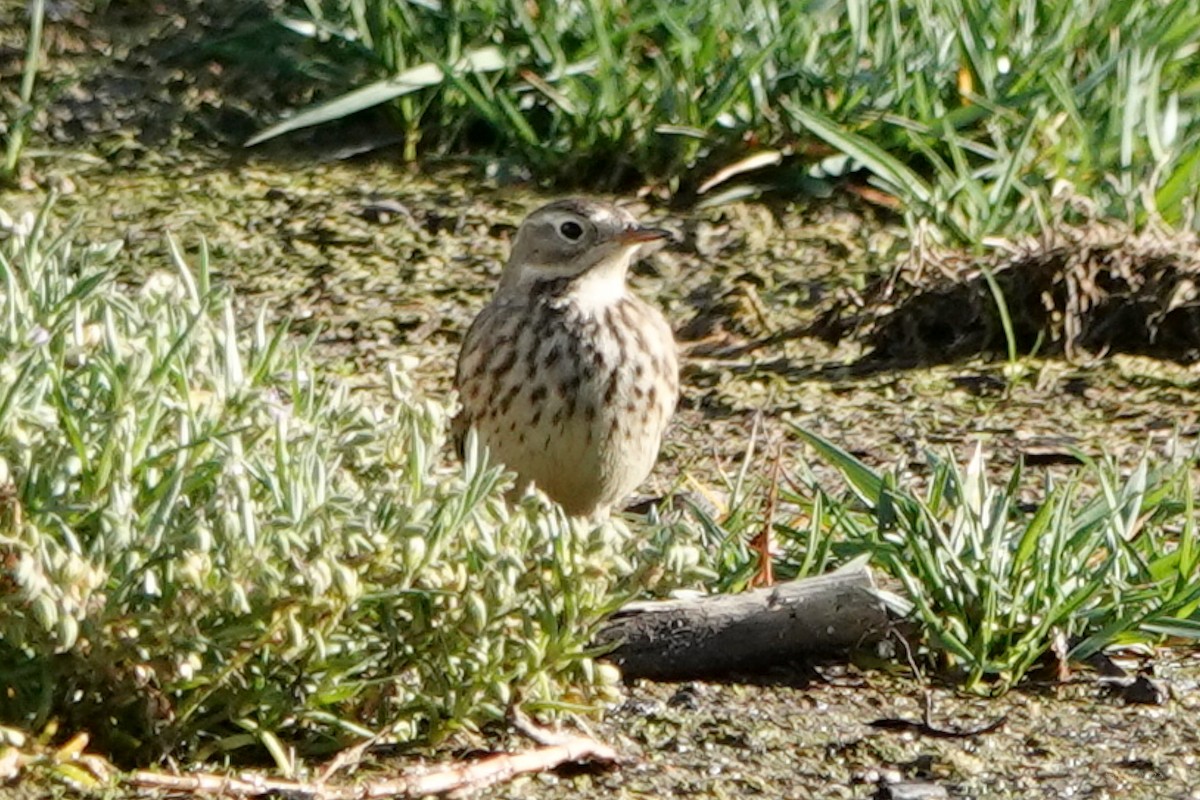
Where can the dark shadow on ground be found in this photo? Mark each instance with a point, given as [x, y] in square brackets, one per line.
[1093, 288]
[132, 79]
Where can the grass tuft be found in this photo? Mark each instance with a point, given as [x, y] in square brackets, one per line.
[1102, 559]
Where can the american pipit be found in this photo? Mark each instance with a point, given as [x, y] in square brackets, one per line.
[568, 378]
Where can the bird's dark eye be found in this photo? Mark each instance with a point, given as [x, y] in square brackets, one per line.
[571, 230]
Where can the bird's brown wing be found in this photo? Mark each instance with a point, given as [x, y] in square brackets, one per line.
[478, 331]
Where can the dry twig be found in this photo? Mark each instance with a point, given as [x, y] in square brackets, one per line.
[926, 727]
[458, 777]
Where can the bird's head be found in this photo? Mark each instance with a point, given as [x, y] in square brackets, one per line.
[573, 238]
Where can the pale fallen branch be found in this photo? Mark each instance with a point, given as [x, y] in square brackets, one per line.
[458, 777]
[714, 635]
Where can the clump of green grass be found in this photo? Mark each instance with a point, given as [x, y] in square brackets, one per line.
[1103, 559]
[971, 114]
[207, 545]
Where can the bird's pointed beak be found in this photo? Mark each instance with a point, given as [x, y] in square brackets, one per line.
[637, 234]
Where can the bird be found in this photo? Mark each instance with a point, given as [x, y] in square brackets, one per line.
[567, 377]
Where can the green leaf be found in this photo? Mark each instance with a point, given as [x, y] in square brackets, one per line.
[1180, 185]
[888, 168]
[485, 59]
[868, 484]
[1179, 628]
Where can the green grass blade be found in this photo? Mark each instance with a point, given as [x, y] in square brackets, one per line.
[486, 59]
[903, 181]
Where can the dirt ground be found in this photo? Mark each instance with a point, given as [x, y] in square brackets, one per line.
[389, 263]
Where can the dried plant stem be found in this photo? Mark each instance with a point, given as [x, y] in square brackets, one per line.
[456, 777]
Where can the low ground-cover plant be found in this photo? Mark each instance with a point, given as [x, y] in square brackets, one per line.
[1102, 559]
[970, 113]
[206, 544]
